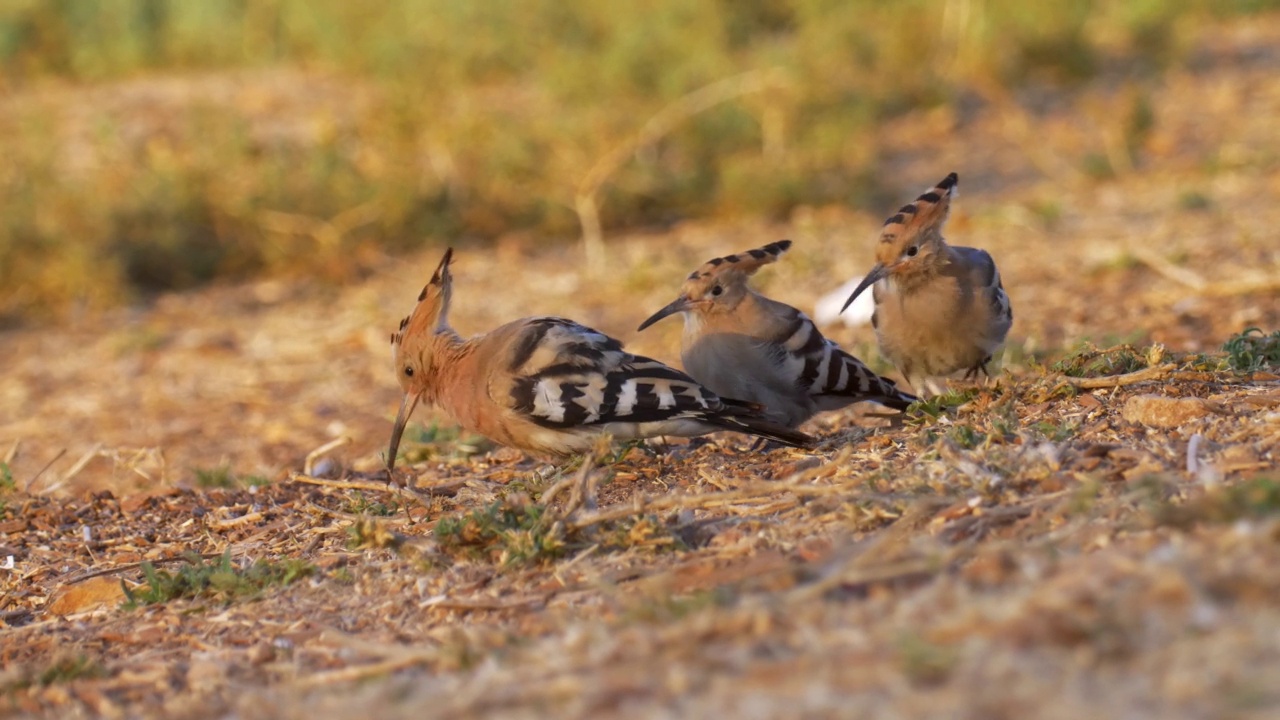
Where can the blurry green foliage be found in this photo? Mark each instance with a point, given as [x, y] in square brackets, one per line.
[155, 144]
[220, 580]
[1253, 350]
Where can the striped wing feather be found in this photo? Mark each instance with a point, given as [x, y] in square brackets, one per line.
[570, 376]
[825, 369]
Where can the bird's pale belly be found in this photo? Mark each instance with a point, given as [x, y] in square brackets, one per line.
[933, 342]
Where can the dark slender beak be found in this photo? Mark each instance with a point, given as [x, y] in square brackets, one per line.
[406, 409]
[680, 304]
[877, 274]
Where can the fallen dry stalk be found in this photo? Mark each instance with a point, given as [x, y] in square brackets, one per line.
[236, 522]
[42, 471]
[419, 492]
[752, 492]
[1111, 381]
[135, 565]
[309, 464]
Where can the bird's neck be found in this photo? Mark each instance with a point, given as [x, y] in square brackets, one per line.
[454, 363]
[695, 324]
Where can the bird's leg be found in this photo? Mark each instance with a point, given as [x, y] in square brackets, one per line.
[972, 373]
[698, 442]
[764, 445]
[677, 451]
[928, 387]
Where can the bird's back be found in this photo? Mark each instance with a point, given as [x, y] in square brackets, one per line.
[773, 354]
[563, 383]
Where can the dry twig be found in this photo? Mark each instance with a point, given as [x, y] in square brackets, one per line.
[319, 452]
[447, 489]
[135, 565]
[751, 492]
[47, 465]
[1111, 381]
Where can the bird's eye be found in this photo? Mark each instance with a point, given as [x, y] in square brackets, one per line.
[717, 290]
[911, 251]
[408, 372]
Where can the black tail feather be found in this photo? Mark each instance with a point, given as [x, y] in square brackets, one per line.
[900, 400]
[747, 417]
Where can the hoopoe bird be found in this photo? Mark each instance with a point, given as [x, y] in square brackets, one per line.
[741, 344]
[938, 308]
[549, 386]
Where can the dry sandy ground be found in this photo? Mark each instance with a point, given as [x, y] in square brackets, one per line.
[1043, 549]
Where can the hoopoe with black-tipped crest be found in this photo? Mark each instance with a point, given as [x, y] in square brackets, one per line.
[550, 386]
[741, 344]
[939, 308]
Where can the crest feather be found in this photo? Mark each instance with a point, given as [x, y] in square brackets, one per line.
[746, 262]
[930, 210]
[433, 303]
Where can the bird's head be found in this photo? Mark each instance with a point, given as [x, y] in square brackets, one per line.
[413, 346]
[720, 283]
[911, 243]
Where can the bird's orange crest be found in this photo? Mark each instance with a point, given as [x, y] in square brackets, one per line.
[911, 239]
[746, 263]
[433, 305]
[927, 213]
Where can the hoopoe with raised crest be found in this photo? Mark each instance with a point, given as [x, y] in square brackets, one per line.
[741, 344]
[549, 386]
[939, 308]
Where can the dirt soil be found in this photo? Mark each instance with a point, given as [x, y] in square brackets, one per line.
[1053, 546]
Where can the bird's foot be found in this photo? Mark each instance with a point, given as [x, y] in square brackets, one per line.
[764, 445]
[972, 373]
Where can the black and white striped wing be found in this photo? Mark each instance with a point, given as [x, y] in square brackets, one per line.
[823, 369]
[568, 375]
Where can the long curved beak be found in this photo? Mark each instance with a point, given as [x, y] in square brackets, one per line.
[406, 409]
[680, 304]
[877, 274]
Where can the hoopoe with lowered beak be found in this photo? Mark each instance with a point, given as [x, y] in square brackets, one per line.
[550, 386]
[741, 344]
[939, 308]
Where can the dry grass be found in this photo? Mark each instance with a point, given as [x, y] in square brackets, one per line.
[157, 145]
[1051, 545]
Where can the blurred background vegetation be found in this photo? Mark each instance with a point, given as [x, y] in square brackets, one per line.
[157, 144]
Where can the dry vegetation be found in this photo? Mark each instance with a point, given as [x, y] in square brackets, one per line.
[153, 145]
[1096, 532]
